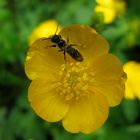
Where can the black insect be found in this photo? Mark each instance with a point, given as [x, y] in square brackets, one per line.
[65, 47]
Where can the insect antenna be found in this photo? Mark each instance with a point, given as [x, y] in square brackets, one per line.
[56, 29]
[54, 34]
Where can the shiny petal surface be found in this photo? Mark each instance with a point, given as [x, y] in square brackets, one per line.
[48, 104]
[42, 60]
[87, 114]
[88, 42]
[109, 78]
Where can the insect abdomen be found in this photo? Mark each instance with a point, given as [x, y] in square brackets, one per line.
[74, 53]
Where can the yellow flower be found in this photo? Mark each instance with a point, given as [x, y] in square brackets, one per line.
[133, 82]
[110, 9]
[45, 29]
[81, 93]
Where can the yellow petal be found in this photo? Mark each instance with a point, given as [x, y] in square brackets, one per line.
[133, 72]
[47, 103]
[45, 29]
[110, 9]
[42, 60]
[89, 43]
[107, 3]
[109, 78]
[87, 114]
[108, 13]
[129, 93]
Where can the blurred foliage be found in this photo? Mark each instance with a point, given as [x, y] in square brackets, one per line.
[17, 20]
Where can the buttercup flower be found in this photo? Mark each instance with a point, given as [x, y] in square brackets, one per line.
[79, 93]
[45, 29]
[110, 9]
[132, 90]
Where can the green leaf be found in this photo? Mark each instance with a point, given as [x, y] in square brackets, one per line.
[131, 110]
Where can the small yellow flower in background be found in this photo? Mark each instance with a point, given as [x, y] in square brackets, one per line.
[132, 90]
[81, 93]
[45, 29]
[110, 9]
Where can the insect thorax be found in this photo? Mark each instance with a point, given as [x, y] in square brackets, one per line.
[61, 43]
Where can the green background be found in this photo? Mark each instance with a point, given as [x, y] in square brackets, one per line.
[18, 18]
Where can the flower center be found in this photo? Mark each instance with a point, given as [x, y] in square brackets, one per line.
[75, 81]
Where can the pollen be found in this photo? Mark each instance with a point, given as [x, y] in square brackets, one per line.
[74, 81]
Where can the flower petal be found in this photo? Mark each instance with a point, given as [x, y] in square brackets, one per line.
[108, 13]
[86, 114]
[132, 84]
[45, 29]
[47, 103]
[109, 78]
[42, 59]
[129, 93]
[89, 43]
[106, 3]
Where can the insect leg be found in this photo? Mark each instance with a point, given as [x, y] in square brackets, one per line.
[65, 49]
[68, 36]
[53, 46]
[50, 46]
[60, 50]
[64, 52]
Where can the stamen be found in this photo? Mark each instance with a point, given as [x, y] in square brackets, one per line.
[74, 81]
